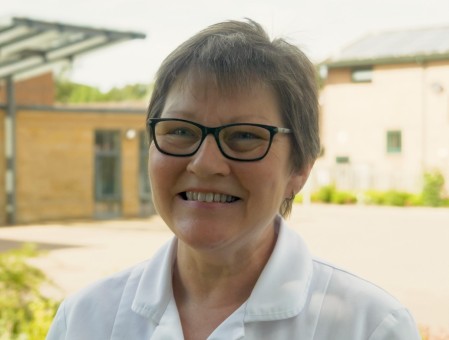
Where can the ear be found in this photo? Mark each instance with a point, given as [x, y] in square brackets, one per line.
[297, 180]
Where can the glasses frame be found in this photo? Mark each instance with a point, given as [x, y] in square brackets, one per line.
[215, 131]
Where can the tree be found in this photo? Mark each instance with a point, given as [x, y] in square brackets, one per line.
[69, 92]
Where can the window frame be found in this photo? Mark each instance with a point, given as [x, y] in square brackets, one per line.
[362, 70]
[100, 156]
[394, 142]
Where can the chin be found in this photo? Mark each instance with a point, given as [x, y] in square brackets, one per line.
[204, 238]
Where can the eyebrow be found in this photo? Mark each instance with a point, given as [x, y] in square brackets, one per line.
[188, 115]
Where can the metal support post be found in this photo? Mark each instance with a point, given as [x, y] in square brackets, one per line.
[10, 152]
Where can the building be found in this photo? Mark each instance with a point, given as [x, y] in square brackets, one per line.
[57, 162]
[385, 111]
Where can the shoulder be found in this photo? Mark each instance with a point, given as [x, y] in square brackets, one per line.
[122, 298]
[105, 292]
[356, 304]
[92, 310]
[350, 286]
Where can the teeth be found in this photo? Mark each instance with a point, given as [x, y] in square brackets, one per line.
[209, 197]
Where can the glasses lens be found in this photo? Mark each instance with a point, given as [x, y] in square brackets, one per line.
[177, 137]
[245, 141]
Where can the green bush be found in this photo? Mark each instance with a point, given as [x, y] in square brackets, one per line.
[298, 199]
[374, 197]
[445, 202]
[415, 200]
[343, 197]
[25, 314]
[432, 192]
[397, 198]
[392, 197]
[330, 194]
[324, 194]
[432, 195]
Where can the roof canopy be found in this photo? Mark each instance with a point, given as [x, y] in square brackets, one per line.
[416, 45]
[29, 47]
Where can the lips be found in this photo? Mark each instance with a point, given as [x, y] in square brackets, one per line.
[208, 197]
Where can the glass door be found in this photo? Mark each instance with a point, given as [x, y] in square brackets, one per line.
[107, 174]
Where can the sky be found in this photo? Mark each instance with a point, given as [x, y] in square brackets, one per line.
[319, 27]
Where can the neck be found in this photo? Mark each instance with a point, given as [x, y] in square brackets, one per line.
[220, 278]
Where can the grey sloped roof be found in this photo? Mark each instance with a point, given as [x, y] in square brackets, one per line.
[34, 46]
[394, 47]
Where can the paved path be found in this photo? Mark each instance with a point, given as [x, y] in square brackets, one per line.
[405, 251]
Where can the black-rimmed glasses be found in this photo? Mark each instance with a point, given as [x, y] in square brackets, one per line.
[239, 141]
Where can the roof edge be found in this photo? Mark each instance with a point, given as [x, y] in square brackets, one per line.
[418, 59]
[70, 27]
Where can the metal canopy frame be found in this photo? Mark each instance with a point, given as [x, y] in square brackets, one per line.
[27, 44]
[31, 47]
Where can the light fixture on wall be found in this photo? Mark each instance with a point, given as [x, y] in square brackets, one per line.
[130, 134]
[437, 87]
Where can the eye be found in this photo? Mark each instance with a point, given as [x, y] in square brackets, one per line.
[245, 133]
[181, 131]
[175, 129]
[245, 138]
[242, 135]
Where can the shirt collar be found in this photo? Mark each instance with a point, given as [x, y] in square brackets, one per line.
[280, 291]
[154, 290]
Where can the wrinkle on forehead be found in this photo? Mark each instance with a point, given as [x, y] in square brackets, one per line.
[225, 85]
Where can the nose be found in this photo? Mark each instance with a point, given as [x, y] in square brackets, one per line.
[209, 160]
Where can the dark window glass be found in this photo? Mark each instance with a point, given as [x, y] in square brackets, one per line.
[107, 165]
[342, 160]
[394, 141]
[362, 75]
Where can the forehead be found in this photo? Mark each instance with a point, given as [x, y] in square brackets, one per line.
[225, 85]
[204, 95]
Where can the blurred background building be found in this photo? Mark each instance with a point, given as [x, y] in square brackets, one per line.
[384, 118]
[64, 162]
[385, 111]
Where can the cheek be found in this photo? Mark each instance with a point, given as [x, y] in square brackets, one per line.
[153, 165]
[158, 171]
[275, 174]
[158, 163]
[263, 180]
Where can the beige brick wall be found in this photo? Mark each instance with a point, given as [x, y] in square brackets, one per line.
[55, 163]
[38, 90]
[2, 168]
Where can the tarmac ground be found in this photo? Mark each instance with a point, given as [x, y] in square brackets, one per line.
[403, 250]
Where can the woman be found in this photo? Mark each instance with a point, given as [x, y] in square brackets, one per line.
[233, 127]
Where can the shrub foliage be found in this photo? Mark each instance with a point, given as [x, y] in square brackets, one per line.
[25, 313]
[432, 194]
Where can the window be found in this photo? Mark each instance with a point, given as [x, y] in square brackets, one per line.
[394, 141]
[342, 160]
[362, 75]
[107, 165]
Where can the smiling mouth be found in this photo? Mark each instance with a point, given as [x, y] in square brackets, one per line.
[208, 197]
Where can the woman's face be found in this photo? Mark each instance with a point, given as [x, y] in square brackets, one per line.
[256, 188]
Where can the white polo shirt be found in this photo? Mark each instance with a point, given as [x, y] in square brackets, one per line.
[295, 297]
